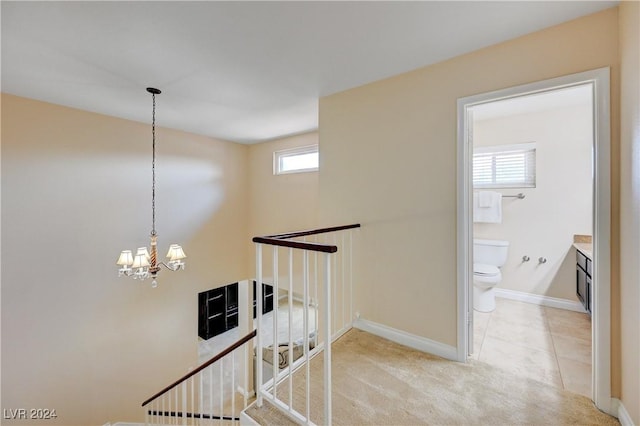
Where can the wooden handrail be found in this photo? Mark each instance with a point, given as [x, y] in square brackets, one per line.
[221, 355]
[283, 239]
[296, 244]
[314, 231]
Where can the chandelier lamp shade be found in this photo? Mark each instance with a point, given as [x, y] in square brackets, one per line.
[144, 264]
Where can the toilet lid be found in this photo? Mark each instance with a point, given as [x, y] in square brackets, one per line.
[484, 269]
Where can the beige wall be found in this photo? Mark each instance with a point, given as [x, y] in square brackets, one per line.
[76, 191]
[630, 208]
[389, 162]
[281, 203]
[543, 224]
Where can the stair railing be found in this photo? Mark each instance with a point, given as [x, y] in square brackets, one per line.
[192, 399]
[323, 267]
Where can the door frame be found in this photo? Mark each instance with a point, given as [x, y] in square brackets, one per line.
[601, 316]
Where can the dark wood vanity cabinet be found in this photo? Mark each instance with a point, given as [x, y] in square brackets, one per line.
[583, 280]
[218, 308]
[267, 299]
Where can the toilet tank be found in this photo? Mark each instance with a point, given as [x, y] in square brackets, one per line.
[490, 252]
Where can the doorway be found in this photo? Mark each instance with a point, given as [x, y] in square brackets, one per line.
[598, 82]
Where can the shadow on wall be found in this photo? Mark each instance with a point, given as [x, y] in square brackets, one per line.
[554, 282]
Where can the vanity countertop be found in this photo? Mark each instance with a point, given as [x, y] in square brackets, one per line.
[584, 243]
[585, 248]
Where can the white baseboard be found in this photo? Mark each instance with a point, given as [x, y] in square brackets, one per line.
[243, 392]
[552, 302]
[127, 424]
[407, 339]
[623, 414]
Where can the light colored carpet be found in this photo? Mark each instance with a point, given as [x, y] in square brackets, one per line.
[378, 382]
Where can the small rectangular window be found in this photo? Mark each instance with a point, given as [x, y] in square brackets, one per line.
[505, 166]
[296, 160]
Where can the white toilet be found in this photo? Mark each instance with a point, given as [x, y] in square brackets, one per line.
[488, 257]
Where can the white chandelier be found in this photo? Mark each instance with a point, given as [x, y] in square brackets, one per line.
[145, 264]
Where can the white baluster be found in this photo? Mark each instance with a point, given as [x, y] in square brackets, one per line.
[334, 280]
[211, 410]
[233, 386]
[201, 394]
[259, 324]
[327, 345]
[342, 262]
[184, 403]
[246, 377]
[193, 408]
[305, 327]
[221, 370]
[315, 298]
[163, 409]
[166, 418]
[275, 364]
[290, 353]
[351, 275]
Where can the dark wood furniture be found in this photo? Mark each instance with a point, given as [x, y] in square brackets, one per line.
[218, 308]
[583, 280]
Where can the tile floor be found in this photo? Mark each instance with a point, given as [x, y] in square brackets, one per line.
[545, 344]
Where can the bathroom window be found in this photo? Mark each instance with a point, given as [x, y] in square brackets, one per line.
[505, 166]
[296, 160]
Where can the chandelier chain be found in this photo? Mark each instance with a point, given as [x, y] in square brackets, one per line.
[145, 263]
[153, 167]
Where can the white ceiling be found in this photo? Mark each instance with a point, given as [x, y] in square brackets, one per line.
[242, 71]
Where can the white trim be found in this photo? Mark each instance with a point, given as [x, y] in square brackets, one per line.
[623, 414]
[246, 420]
[551, 302]
[601, 318]
[407, 339]
[249, 394]
[464, 231]
[125, 424]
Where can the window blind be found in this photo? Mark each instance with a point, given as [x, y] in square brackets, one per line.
[509, 166]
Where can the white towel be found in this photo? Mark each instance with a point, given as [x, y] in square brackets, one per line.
[485, 198]
[487, 207]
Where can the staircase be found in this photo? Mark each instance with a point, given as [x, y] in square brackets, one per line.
[311, 267]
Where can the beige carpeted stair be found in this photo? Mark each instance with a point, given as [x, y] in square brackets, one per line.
[378, 382]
